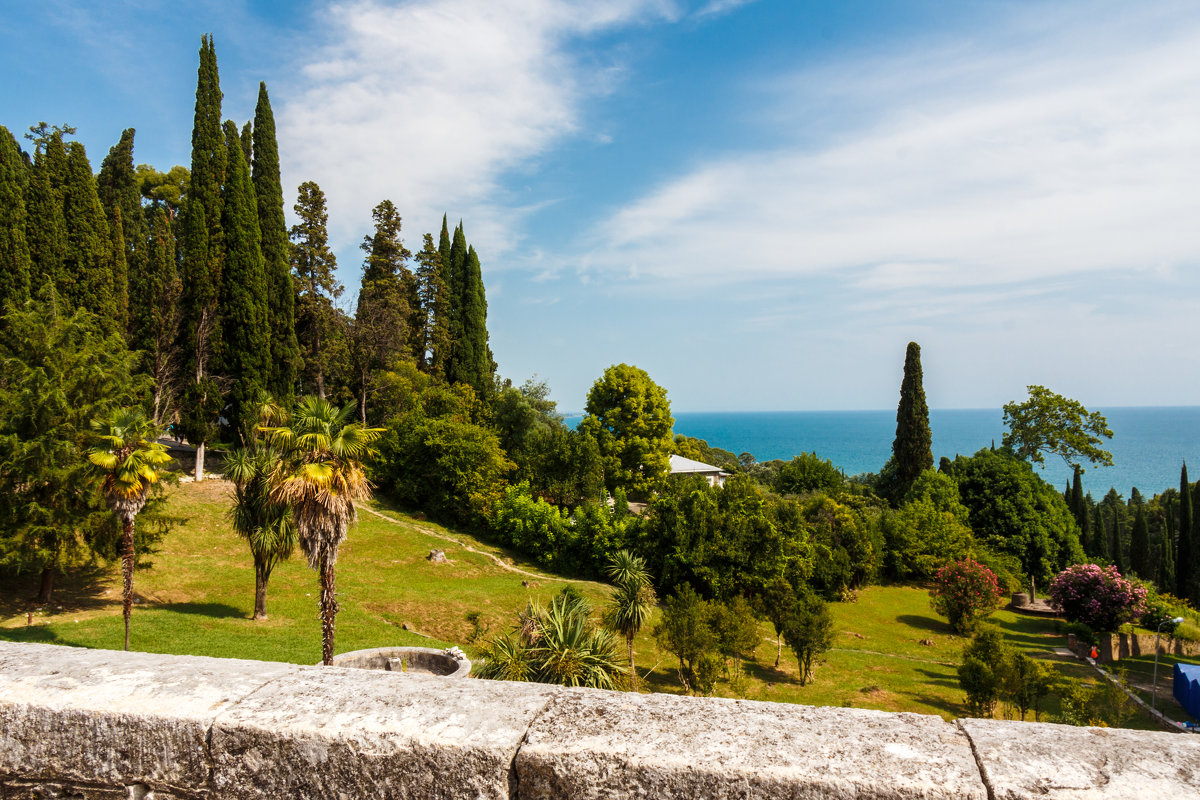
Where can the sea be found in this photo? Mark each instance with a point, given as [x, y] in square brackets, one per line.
[1149, 444]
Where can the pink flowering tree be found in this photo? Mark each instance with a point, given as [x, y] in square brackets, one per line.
[965, 592]
[1097, 596]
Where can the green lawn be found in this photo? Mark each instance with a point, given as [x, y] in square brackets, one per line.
[891, 651]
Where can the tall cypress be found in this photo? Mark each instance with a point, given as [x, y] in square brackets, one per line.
[1118, 544]
[314, 272]
[120, 193]
[444, 251]
[87, 275]
[435, 307]
[118, 258]
[478, 356]
[1185, 550]
[1100, 538]
[245, 338]
[457, 369]
[1166, 562]
[154, 318]
[46, 231]
[281, 303]
[1139, 546]
[912, 449]
[1075, 501]
[202, 256]
[14, 248]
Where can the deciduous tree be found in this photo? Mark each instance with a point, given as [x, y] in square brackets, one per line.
[1050, 423]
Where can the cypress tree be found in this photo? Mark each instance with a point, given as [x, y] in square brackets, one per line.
[120, 193]
[1139, 546]
[1075, 500]
[1185, 550]
[316, 284]
[478, 356]
[154, 318]
[46, 231]
[120, 269]
[1118, 545]
[202, 256]
[281, 302]
[457, 370]
[912, 449]
[444, 251]
[87, 276]
[1101, 538]
[1166, 563]
[248, 140]
[435, 307]
[14, 248]
[245, 338]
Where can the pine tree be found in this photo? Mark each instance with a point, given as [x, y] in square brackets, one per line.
[435, 307]
[912, 449]
[14, 247]
[316, 284]
[382, 321]
[202, 257]
[154, 318]
[245, 338]
[1185, 551]
[285, 349]
[45, 230]
[1139, 546]
[87, 276]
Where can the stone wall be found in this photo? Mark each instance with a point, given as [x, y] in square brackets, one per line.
[88, 724]
[1115, 646]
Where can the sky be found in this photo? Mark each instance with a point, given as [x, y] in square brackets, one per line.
[759, 202]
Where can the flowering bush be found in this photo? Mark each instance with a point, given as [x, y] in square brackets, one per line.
[965, 592]
[1097, 596]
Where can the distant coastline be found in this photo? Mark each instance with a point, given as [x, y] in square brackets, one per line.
[1148, 446]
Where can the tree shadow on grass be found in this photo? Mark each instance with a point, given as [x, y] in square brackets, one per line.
[939, 678]
[31, 633]
[1020, 632]
[219, 610]
[77, 590]
[931, 624]
[768, 673]
[938, 702]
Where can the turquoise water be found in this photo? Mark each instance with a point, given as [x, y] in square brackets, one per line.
[1148, 445]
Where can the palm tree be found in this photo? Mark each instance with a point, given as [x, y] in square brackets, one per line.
[264, 523]
[631, 603]
[130, 461]
[321, 476]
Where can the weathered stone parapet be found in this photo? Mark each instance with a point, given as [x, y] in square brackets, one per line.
[1023, 760]
[102, 725]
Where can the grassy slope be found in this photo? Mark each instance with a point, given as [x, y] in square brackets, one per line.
[199, 590]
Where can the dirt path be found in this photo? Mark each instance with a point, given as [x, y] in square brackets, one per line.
[447, 538]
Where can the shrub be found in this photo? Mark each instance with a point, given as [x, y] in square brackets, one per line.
[1160, 608]
[1097, 596]
[965, 592]
[1082, 632]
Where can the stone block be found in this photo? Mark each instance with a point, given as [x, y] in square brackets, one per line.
[594, 744]
[114, 719]
[334, 733]
[1052, 762]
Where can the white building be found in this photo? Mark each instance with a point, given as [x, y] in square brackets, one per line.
[686, 466]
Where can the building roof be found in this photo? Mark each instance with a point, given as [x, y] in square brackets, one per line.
[680, 465]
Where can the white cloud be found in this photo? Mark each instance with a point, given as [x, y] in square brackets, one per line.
[1011, 159]
[717, 7]
[427, 103]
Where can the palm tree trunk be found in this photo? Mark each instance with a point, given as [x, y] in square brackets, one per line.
[127, 570]
[262, 574]
[632, 668]
[47, 585]
[329, 609]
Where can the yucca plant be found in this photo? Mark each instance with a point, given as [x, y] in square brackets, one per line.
[632, 601]
[129, 461]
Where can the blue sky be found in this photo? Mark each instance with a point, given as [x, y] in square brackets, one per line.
[758, 202]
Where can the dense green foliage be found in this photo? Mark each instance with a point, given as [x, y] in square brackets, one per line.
[1050, 423]
[318, 325]
[14, 247]
[630, 418]
[912, 451]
